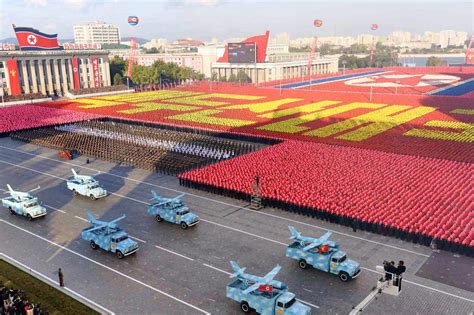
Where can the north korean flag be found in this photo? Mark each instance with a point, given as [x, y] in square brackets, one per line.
[265, 288]
[32, 39]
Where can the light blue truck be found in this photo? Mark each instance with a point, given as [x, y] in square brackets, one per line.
[85, 186]
[263, 294]
[24, 204]
[321, 254]
[109, 237]
[172, 210]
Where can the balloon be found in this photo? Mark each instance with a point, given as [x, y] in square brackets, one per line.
[318, 23]
[133, 20]
[373, 27]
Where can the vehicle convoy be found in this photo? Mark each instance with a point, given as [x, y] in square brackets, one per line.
[321, 254]
[172, 210]
[109, 237]
[86, 186]
[24, 204]
[263, 294]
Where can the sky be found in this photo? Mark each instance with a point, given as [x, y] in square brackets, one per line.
[205, 19]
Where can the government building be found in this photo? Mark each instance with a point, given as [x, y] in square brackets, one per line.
[53, 72]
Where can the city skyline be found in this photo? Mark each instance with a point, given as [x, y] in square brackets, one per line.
[207, 19]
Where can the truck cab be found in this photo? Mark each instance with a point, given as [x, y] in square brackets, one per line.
[30, 208]
[172, 210]
[89, 188]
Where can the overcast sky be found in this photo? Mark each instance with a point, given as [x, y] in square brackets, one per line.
[204, 19]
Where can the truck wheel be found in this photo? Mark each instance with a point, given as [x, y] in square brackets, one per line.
[29, 217]
[119, 254]
[184, 226]
[74, 192]
[244, 306]
[158, 218]
[344, 276]
[93, 245]
[92, 197]
[11, 211]
[303, 264]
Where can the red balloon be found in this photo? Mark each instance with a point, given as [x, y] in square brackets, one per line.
[318, 23]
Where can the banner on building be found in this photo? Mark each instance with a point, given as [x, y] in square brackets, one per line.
[32, 39]
[73, 46]
[14, 77]
[75, 73]
[95, 71]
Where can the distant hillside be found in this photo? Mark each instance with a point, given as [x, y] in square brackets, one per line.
[141, 41]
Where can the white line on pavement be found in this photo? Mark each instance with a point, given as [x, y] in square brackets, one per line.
[51, 207]
[56, 283]
[175, 253]
[367, 269]
[217, 269]
[216, 201]
[82, 219]
[304, 302]
[108, 268]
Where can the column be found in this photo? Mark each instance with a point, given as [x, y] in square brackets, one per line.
[57, 81]
[84, 78]
[107, 71]
[7, 78]
[65, 78]
[41, 76]
[34, 82]
[49, 76]
[71, 74]
[26, 82]
[91, 72]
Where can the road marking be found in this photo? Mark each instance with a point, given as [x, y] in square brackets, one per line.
[244, 232]
[215, 200]
[137, 239]
[175, 253]
[217, 269]
[108, 268]
[82, 219]
[315, 306]
[308, 290]
[51, 207]
[56, 283]
[274, 241]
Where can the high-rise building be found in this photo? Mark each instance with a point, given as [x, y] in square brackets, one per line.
[96, 33]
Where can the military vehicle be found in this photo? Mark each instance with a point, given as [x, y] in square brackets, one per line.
[109, 236]
[24, 204]
[321, 254]
[172, 210]
[263, 294]
[86, 186]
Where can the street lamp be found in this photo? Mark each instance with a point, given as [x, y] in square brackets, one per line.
[161, 72]
[344, 62]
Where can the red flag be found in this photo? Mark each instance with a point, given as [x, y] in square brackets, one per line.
[14, 77]
[32, 39]
[265, 288]
[75, 71]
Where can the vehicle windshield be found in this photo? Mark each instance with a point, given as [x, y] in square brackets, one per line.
[122, 238]
[30, 205]
[290, 303]
[94, 186]
[343, 258]
[183, 212]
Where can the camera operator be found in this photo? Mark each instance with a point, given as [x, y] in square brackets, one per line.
[399, 272]
[390, 269]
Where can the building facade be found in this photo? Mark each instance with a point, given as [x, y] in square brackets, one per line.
[280, 70]
[96, 33]
[53, 72]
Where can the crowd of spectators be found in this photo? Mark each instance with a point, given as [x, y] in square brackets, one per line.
[15, 302]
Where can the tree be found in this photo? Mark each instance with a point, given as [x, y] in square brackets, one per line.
[434, 61]
[214, 76]
[118, 79]
[117, 65]
[243, 77]
[232, 78]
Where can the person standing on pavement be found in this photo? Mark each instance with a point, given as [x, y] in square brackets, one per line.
[61, 277]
